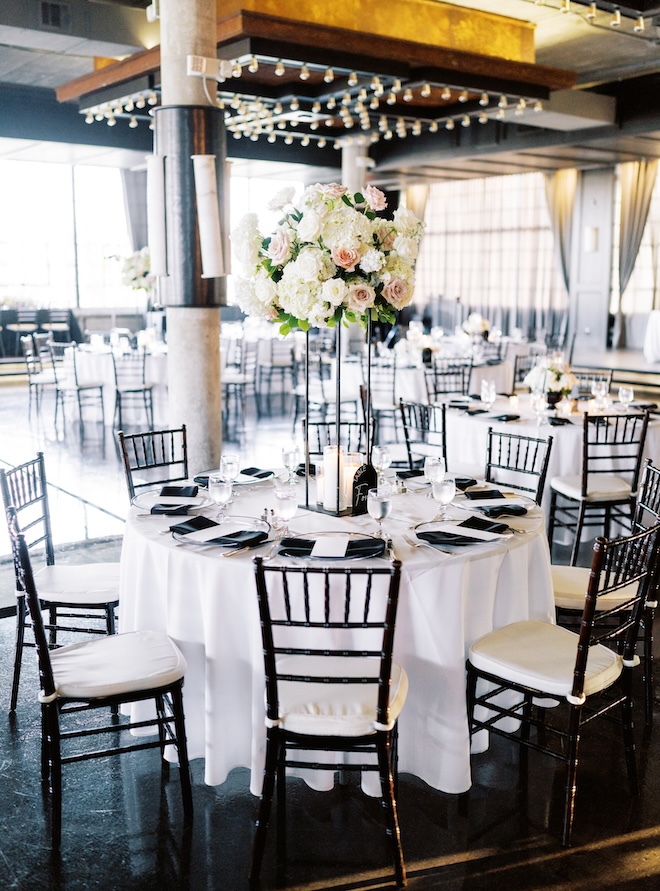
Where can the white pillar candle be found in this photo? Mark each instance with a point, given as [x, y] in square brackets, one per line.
[352, 462]
[331, 492]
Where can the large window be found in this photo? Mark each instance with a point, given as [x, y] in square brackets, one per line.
[41, 238]
[489, 247]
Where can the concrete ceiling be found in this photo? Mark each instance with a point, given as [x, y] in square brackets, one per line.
[615, 62]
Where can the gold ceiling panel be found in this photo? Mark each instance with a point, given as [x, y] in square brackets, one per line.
[418, 21]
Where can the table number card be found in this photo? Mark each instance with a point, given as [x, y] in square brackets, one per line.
[365, 479]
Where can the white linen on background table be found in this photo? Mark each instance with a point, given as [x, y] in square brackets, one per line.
[208, 605]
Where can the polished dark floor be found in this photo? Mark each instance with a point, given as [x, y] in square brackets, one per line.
[123, 827]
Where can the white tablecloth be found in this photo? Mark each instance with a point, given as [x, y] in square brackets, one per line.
[208, 605]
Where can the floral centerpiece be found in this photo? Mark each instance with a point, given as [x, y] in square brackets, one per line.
[476, 326]
[330, 258]
[551, 376]
[135, 270]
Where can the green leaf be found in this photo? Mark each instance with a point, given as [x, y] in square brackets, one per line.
[331, 322]
[346, 200]
[303, 324]
[285, 329]
[370, 215]
[350, 315]
[359, 198]
[374, 314]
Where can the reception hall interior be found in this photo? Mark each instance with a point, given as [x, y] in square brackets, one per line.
[335, 308]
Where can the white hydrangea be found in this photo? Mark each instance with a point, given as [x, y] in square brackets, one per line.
[246, 242]
[372, 261]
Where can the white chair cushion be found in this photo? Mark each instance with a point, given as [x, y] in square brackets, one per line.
[542, 656]
[116, 665]
[335, 709]
[85, 583]
[600, 487]
[570, 586]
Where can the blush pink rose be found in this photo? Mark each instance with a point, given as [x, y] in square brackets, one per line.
[333, 190]
[397, 293]
[360, 297]
[386, 236]
[374, 198]
[347, 258]
[279, 249]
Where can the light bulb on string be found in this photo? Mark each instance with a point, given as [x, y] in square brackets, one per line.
[152, 99]
[271, 138]
[616, 18]
[503, 103]
[500, 114]
[111, 120]
[329, 75]
[331, 103]
[89, 118]
[391, 99]
[352, 79]
[638, 27]
[277, 108]
[521, 106]
[446, 94]
[417, 128]
[483, 118]
[450, 124]
[140, 102]
[590, 14]
[485, 99]
[465, 121]
[433, 127]
[314, 125]
[387, 134]
[253, 65]
[236, 69]
[129, 105]
[279, 68]
[407, 95]
[305, 140]
[322, 142]
[463, 96]
[133, 123]
[425, 91]
[288, 139]
[304, 73]
[375, 102]
[565, 6]
[295, 105]
[538, 106]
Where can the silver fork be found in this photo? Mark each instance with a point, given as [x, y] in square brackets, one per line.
[423, 544]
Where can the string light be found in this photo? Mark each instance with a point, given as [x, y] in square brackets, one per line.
[352, 79]
[483, 118]
[152, 99]
[538, 106]
[133, 123]
[591, 12]
[407, 95]
[616, 18]
[391, 99]
[271, 138]
[331, 103]
[277, 108]
[288, 139]
[417, 128]
[425, 91]
[565, 5]
[304, 73]
[111, 120]
[375, 102]
[295, 105]
[463, 97]
[253, 65]
[279, 68]
[465, 121]
[396, 86]
[316, 107]
[129, 106]
[500, 114]
[503, 103]
[89, 118]
[305, 140]
[322, 142]
[450, 124]
[446, 94]
[387, 134]
[639, 25]
[236, 69]
[140, 102]
[329, 75]
[433, 127]
[485, 99]
[520, 107]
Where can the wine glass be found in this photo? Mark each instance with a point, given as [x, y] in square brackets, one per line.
[291, 459]
[230, 468]
[444, 491]
[599, 390]
[488, 393]
[286, 505]
[379, 505]
[381, 458]
[539, 402]
[434, 469]
[220, 491]
[626, 396]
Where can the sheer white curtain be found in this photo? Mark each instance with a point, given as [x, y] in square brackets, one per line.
[489, 248]
[560, 189]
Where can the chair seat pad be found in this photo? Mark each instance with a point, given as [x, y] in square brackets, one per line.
[86, 583]
[542, 656]
[117, 665]
[335, 709]
[570, 585]
[600, 487]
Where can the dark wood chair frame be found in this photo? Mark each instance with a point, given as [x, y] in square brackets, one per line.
[301, 614]
[616, 564]
[153, 450]
[448, 376]
[508, 454]
[25, 491]
[67, 387]
[169, 720]
[131, 387]
[424, 424]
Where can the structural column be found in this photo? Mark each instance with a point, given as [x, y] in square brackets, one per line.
[186, 124]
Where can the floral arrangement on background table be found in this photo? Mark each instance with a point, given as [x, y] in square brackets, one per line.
[331, 258]
[476, 326]
[135, 271]
[552, 377]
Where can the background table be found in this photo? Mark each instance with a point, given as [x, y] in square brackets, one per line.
[208, 605]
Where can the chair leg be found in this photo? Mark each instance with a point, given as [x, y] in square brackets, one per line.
[471, 691]
[110, 624]
[18, 650]
[571, 772]
[182, 749]
[265, 803]
[389, 805]
[551, 520]
[628, 735]
[648, 665]
[53, 756]
[578, 533]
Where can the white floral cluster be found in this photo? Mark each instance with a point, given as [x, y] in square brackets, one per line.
[135, 270]
[551, 375]
[330, 257]
[475, 324]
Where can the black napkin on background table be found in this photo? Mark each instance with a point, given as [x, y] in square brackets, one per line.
[506, 417]
[257, 473]
[558, 422]
[485, 525]
[483, 494]
[179, 491]
[301, 468]
[464, 482]
[194, 524]
[447, 538]
[493, 361]
[243, 538]
[644, 405]
[171, 510]
[476, 411]
[202, 479]
[302, 547]
[409, 474]
[507, 510]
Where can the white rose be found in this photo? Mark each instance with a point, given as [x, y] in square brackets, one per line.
[265, 290]
[406, 247]
[333, 291]
[308, 266]
[309, 228]
[282, 198]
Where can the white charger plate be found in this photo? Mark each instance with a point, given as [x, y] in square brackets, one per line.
[202, 537]
[146, 500]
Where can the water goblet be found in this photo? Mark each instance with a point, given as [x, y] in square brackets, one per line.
[626, 396]
[539, 402]
[444, 491]
[434, 469]
[286, 505]
[381, 458]
[291, 459]
[230, 468]
[488, 393]
[220, 491]
[379, 506]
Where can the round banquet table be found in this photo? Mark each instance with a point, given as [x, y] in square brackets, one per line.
[208, 605]
[467, 437]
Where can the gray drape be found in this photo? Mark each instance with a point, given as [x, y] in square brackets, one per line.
[637, 181]
[560, 189]
[134, 183]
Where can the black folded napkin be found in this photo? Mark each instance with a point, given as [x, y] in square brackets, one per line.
[194, 524]
[485, 525]
[302, 547]
[644, 405]
[458, 403]
[245, 538]
[202, 479]
[409, 474]
[257, 473]
[447, 538]
[506, 417]
[493, 361]
[171, 510]
[482, 494]
[507, 510]
[301, 469]
[476, 411]
[464, 482]
[558, 422]
[180, 491]
[475, 397]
